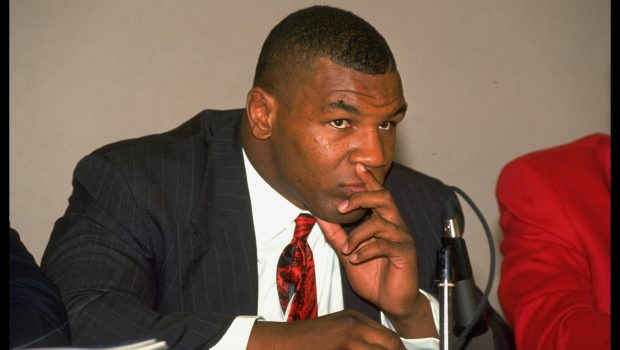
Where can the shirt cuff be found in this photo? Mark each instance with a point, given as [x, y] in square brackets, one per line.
[238, 334]
[420, 343]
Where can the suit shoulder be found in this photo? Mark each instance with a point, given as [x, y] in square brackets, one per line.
[181, 154]
[198, 131]
[568, 154]
[420, 197]
[583, 160]
[401, 177]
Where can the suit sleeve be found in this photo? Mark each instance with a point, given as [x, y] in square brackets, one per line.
[545, 288]
[37, 314]
[107, 255]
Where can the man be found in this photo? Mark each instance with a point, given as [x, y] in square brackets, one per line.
[179, 236]
[555, 206]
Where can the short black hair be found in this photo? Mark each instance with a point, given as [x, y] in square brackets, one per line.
[295, 43]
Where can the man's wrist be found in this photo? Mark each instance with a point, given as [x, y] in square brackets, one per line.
[420, 323]
[238, 333]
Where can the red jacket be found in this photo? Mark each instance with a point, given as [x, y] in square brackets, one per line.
[555, 285]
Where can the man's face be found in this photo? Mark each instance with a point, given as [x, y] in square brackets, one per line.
[333, 119]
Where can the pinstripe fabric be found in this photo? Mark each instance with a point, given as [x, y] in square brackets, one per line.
[158, 241]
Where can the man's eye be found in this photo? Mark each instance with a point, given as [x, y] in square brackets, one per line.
[339, 123]
[386, 125]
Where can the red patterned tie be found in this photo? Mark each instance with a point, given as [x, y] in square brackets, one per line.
[296, 273]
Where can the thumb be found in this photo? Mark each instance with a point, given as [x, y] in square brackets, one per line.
[334, 235]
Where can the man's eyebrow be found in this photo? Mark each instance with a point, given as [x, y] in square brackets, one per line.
[340, 104]
[400, 110]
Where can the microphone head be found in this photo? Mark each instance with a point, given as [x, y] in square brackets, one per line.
[453, 218]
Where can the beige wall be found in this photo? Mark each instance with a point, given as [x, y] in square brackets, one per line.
[485, 81]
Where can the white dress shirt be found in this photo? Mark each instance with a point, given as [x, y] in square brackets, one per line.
[274, 225]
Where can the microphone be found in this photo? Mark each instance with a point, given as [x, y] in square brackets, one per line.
[464, 297]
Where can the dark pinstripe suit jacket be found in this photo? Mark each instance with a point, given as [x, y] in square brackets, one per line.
[158, 239]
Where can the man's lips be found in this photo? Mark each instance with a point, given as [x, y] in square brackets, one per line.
[349, 189]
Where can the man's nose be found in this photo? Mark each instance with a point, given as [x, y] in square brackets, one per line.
[369, 150]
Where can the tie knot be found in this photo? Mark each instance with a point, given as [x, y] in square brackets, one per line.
[303, 225]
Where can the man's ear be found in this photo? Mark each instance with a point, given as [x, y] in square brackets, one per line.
[261, 110]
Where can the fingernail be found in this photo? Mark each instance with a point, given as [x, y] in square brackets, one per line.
[342, 206]
[361, 167]
[353, 258]
[345, 247]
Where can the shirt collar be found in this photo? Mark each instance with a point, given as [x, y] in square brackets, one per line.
[271, 212]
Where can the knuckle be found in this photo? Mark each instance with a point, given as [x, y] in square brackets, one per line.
[386, 195]
[350, 321]
[394, 341]
[381, 244]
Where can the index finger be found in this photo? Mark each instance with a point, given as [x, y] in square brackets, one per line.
[368, 178]
[380, 200]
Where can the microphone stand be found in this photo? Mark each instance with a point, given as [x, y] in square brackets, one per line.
[445, 281]
[455, 279]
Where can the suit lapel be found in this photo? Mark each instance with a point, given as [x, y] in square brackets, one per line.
[223, 216]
